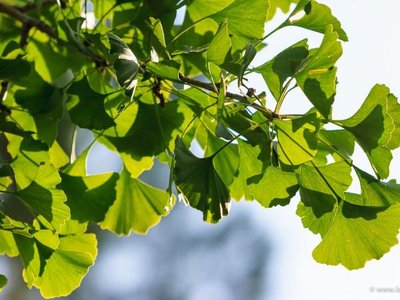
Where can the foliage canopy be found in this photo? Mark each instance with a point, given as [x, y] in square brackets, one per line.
[148, 86]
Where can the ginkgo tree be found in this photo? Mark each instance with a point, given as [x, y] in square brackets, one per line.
[148, 87]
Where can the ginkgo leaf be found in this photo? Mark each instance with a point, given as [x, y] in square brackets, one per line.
[137, 207]
[376, 127]
[89, 197]
[297, 139]
[7, 244]
[199, 184]
[126, 65]
[44, 198]
[30, 257]
[275, 187]
[67, 266]
[251, 164]
[166, 69]
[358, 234]
[316, 17]
[220, 46]
[86, 107]
[317, 77]
[374, 192]
[283, 66]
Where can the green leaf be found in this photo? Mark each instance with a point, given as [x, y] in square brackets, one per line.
[126, 65]
[283, 66]
[137, 206]
[317, 78]
[31, 154]
[89, 197]
[30, 257]
[166, 69]
[297, 139]
[44, 198]
[376, 127]
[245, 20]
[7, 244]
[86, 107]
[340, 141]
[13, 69]
[251, 164]
[374, 192]
[275, 187]
[317, 17]
[283, 5]
[358, 234]
[199, 184]
[68, 265]
[220, 46]
[3, 281]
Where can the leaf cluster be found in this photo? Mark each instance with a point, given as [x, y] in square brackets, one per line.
[149, 87]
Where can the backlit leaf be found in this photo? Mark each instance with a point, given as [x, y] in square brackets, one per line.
[317, 17]
[199, 184]
[137, 206]
[376, 127]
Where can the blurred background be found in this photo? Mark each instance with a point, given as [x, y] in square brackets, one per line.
[254, 253]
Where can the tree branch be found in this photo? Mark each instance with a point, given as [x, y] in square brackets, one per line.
[33, 6]
[26, 20]
[210, 87]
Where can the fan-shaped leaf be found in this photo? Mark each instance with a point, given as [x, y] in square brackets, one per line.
[199, 183]
[137, 206]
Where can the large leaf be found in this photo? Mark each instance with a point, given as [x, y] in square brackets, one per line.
[137, 206]
[376, 127]
[199, 184]
[297, 139]
[275, 187]
[358, 234]
[13, 69]
[317, 77]
[316, 17]
[126, 65]
[86, 107]
[44, 198]
[68, 265]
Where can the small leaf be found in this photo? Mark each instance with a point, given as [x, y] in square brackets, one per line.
[126, 65]
[166, 69]
[297, 139]
[374, 192]
[30, 257]
[358, 234]
[199, 183]
[3, 281]
[317, 78]
[317, 17]
[220, 46]
[7, 244]
[137, 206]
[283, 66]
[86, 107]
[275, 187]
[376, 127]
